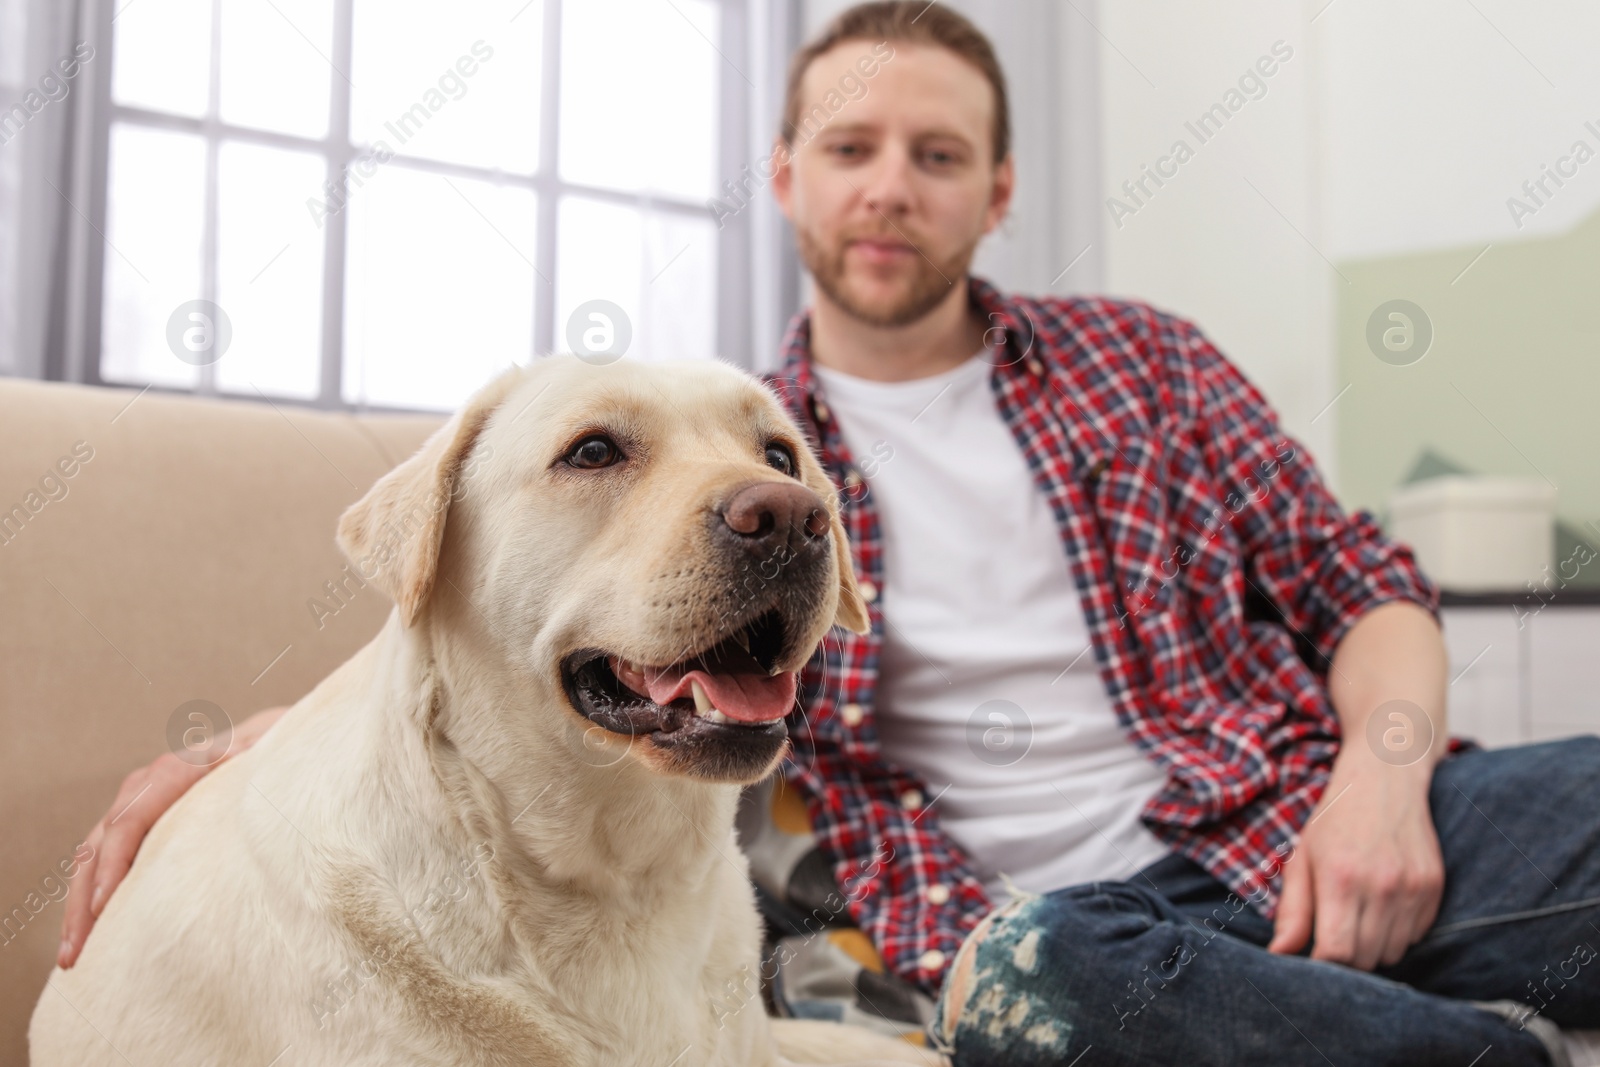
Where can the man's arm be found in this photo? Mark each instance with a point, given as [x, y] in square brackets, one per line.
[1323, 567]
[1367, 875]
[145, 796]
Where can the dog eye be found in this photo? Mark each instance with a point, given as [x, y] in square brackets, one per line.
[596, 450]
[780, 458]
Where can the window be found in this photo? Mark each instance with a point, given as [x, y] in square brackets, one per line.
[380, 203]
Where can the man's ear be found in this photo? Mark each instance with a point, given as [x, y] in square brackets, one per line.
[1005, 184]
[852, 613]
[393, 533]
[782, 177]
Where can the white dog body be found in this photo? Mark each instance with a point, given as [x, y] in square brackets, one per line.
[433, 858]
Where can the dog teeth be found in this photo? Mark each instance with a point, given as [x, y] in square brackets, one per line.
[744, 640]
[702, 704]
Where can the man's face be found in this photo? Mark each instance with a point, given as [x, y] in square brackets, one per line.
[890, 198]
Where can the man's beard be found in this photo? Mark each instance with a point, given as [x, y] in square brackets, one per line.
[930, 282]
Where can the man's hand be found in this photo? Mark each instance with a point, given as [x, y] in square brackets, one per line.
[145, 795]
[1367, 875]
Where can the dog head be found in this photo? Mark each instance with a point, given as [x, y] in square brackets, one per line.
[652, 547]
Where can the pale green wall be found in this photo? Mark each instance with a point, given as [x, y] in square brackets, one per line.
[1518, 336]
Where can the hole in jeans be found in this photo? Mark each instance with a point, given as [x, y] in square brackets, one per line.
[988, 988]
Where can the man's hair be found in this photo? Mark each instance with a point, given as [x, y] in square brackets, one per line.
[912, 22]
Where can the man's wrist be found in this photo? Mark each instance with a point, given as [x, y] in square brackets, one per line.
[1358, 762]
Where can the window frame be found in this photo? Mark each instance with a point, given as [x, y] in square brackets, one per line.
[732, 326]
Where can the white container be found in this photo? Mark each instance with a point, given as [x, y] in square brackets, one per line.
[1476, 533]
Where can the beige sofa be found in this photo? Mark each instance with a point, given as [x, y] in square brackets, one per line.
[154, 550]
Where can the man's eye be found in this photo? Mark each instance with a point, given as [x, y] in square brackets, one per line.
[596, 450]
[779, 458]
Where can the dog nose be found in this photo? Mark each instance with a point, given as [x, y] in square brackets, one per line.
[767, 515]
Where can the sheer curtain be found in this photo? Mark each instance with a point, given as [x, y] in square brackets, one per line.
[50, 66]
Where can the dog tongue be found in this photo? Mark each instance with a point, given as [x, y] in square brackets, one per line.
[743, 697]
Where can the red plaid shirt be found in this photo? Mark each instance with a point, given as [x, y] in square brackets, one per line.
[1217, 574]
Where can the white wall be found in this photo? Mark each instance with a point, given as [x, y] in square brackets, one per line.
[1233, 241]
[1396, 127]
[1436, 111]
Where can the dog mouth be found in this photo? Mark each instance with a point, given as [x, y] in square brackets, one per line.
[730, 687]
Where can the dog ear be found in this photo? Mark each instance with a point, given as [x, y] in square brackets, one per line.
[852, 613]
[397, 528]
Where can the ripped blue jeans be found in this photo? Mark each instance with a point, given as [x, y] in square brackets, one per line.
[1169, 967]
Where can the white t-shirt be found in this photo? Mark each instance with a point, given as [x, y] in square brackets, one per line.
[988, 687]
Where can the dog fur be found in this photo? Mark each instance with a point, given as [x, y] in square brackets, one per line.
[434, 857]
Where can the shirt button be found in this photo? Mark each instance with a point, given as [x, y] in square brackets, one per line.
[938, 894]
[931, 960]
[911, 800]
[851, 478]
[869, 592]
[1034, 365]
[822, 411]
[851, 714]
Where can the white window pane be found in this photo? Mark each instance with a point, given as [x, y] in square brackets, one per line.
[457, 82]
[269, 270]
[163, 55]
[660, 268]
[264, 40]
[439, 287]
[639, 91]
[154, 203]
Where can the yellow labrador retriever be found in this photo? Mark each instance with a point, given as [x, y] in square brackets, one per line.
[502, 832]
